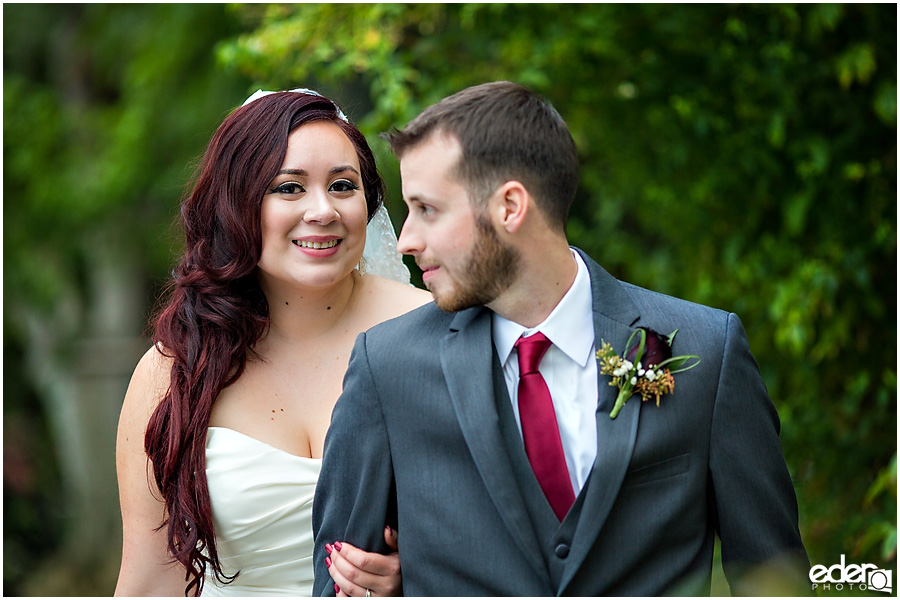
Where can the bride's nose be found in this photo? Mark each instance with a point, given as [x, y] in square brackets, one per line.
[320, 209]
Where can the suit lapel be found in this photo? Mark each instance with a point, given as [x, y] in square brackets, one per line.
[614, 318]
[466, 359]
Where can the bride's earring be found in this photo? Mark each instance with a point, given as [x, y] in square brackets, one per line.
[362, 265]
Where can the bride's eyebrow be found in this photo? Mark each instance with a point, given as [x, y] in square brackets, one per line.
[331, 171]
[298, 172]
[341, 169]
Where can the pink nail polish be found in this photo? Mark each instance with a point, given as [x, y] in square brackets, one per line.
[337, 589]
[389, 529]
[337, 546]
[327, 562]
[328, 548]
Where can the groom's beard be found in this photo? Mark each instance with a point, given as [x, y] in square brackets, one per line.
[490, 269]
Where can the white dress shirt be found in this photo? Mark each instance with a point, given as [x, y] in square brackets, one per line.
[569, 368]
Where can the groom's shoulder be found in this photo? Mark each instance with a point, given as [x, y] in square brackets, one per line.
[702, 328]
[652, 302]
[649, 303]
[421, 324]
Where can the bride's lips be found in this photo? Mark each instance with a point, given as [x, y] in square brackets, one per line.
[318, 246]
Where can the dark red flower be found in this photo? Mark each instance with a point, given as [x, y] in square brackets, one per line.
[656, 349]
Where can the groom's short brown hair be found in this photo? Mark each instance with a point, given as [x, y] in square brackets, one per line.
[507, 132]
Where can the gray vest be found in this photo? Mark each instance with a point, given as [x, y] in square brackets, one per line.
[555, 537]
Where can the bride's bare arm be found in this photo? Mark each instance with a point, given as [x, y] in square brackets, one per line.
[147, 569]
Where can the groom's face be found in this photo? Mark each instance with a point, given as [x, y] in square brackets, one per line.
[464, 262]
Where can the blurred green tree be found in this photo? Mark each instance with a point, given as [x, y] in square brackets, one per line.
[741, 156]
[105, 108]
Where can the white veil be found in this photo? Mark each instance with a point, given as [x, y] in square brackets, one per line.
[381, 256]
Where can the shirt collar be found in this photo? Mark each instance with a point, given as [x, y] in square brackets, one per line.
[564, 326]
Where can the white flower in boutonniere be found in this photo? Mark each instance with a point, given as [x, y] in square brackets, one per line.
[632, 377]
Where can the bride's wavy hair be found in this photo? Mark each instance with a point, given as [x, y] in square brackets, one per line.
[213, 310]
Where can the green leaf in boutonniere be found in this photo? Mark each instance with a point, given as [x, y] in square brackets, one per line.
[631, 376]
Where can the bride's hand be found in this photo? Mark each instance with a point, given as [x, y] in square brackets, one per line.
[355, 572]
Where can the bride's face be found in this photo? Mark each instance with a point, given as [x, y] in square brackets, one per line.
[313, 217]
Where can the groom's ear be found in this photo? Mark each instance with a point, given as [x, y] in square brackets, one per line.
[510, 204]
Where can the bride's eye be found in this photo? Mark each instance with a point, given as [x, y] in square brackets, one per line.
[342, 185]
[288, 188]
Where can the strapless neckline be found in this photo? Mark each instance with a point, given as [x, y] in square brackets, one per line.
[229, 430]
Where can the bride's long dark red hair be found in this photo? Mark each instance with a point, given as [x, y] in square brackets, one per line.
[214, 310]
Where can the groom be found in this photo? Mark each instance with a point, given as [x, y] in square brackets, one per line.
[480, 425]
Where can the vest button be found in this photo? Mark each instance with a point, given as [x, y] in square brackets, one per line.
[562, 551]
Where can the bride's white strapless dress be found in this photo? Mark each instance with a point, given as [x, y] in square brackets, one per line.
[262, 500]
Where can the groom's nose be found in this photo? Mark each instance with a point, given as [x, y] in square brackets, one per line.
[409, 242]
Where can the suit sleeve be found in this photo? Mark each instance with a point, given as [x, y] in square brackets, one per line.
[753, 496]
[354, 492]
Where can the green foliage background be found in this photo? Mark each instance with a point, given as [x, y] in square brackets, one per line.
[740, 156]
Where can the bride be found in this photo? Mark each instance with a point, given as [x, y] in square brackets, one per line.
[221, 432]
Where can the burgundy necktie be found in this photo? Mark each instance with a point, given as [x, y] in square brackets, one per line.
[539, 428]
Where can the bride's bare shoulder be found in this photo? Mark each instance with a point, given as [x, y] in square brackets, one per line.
[149, 382]
[155, 365]
[394, 298]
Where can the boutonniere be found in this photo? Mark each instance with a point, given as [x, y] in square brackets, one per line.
[630, 374]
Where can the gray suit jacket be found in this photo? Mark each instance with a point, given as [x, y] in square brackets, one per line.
[416, 442]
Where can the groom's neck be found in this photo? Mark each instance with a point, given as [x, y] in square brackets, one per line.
[547, 271]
